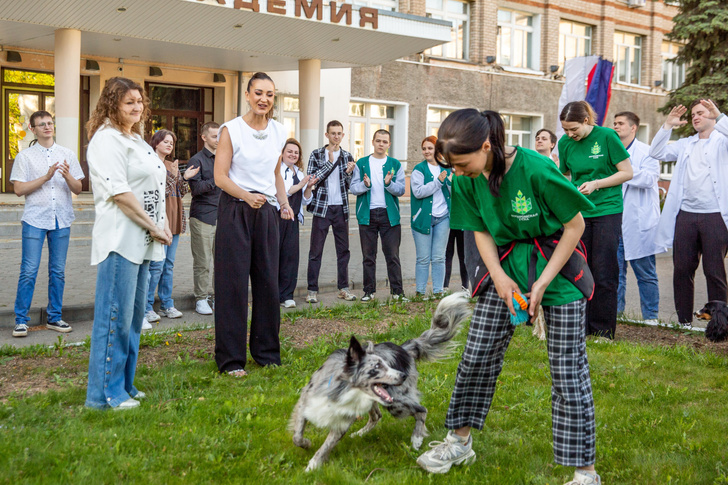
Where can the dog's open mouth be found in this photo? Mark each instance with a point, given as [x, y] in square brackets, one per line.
[379, 391]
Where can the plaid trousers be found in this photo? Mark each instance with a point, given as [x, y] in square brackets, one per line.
[572, 404]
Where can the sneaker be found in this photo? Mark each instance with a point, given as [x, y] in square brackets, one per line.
[59, 326]
[289, 304]
[311, 297]
[140, 395]
[422, 296]
[21, 330]
[170, 312]
[652, 321]
[211, 301]
[203, 307]
[146, 325]
[445, 454]
[345, 294]
[367, 297]
[128, 404]
[151, 316]
[585, 478]
[401, 298]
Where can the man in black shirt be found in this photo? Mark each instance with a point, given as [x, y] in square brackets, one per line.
[203, 218]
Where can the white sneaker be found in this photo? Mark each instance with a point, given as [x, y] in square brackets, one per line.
[585, 478]
[445, 454]
[21, 330]
[652, 321]
[128, 404]
[289, 304]
[345, 294]
[151, 316]
[170, 312]
[146, 325]
[203, 307]
[140, 395]
[312, 297]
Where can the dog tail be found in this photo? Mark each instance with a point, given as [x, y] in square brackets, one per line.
[435, 342]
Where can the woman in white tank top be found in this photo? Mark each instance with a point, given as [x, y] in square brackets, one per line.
[246, 242]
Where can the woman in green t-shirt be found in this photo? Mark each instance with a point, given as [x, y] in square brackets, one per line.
[507, 194]
[599, 165]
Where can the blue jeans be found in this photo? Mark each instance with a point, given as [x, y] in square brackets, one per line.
[646, 273]
[430, 249]
[161, 274]
[33, 239]
[121, 294]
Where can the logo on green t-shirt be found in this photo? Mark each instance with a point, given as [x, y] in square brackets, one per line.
[596, 149]
[521, 205]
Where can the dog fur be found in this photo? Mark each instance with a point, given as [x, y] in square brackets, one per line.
[717, 329]
[356, 381]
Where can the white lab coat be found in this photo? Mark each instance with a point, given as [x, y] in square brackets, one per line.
[641, 204]
[715, 152]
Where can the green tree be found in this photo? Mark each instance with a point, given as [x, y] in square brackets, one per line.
[702, 27]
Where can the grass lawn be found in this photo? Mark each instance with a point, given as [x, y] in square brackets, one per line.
[662, 416]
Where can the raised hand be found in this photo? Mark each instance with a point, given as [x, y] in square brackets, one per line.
[191, 172]
[673, 119]
[713, 111]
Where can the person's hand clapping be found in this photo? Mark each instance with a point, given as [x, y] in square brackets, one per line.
[442, 176]
[366, 180]
[388, 177]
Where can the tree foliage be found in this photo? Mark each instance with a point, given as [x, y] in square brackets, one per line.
[702, 27]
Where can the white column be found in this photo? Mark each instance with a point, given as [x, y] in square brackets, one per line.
[309, 94]
[68, 86]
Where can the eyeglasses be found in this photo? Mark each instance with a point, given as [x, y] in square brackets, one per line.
[49, 124]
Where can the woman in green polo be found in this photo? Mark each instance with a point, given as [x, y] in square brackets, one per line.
[598, 164]
[510, 194]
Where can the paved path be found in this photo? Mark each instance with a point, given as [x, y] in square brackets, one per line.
[81, 279]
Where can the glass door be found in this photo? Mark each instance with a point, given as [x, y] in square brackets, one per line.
[19, 105]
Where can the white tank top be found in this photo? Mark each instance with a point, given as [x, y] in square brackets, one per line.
[255, 155]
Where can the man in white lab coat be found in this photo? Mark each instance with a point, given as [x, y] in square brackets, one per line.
[639, 219]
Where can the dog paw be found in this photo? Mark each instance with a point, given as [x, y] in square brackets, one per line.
[356, 434]
[417, 442]
[312, 465]
[304, 443]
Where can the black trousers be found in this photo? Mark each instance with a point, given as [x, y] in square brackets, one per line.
[391, 237]
[455, 241]
[246, 246]
[288, 259]
[601, 238]
[698, 235]
[319, 230]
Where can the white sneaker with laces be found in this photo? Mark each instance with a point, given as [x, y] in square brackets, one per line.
[312, 297]
[445, 454]
[146, 325]
[203, 307]
[170, 312]
[289, 304]
[346, 295]
[152, 316]
[585, 478]
[128, 404]
[21, 330]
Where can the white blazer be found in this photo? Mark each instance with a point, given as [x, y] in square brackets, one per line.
[641, 204]
[715, 151]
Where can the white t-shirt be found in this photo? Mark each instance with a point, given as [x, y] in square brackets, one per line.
[255, 155]
[376, 166]
[53, 199]
[698, 195]
[120, 163]
[333, 181]
[439, 205]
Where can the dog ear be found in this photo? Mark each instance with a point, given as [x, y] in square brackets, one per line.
[355, 353]
[370, 346]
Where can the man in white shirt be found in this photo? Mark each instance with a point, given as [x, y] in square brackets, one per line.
[694, 219]
[639, 219]
[378, 183]
[46, 174]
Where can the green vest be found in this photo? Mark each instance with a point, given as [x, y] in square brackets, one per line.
[422, 208]
[362, 201]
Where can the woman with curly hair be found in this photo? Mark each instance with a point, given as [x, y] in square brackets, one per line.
[130, 228]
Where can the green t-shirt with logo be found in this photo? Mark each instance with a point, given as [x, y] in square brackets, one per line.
[535, 200]
[593, 158]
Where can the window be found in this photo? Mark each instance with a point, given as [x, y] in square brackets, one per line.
[643, 134]
[435, 117]
[390, 5]
[518, 130]
[457, 12]
[574, 41]
[286, 113]
[364, 120]
[628, 57]
[514, 45]
[673, 74]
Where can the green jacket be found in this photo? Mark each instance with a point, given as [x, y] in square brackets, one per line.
[392, 192]
[422, 188]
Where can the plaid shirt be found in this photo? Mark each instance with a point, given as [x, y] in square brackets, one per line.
[320, 167]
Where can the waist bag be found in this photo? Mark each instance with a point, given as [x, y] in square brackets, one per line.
[575, 269]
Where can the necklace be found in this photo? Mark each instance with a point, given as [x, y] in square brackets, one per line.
[260, 135]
